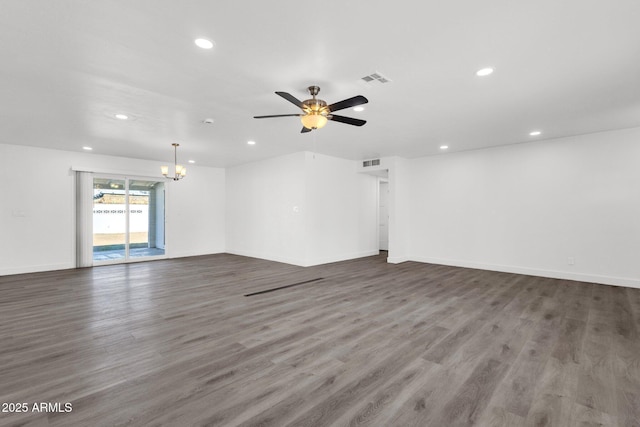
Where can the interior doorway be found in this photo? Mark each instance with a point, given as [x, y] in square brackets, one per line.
[383, 214]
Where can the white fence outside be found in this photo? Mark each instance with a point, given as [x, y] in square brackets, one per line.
[110, 219]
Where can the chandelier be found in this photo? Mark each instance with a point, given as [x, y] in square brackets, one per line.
[180, 171]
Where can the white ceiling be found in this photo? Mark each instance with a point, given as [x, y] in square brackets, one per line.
[67, 66]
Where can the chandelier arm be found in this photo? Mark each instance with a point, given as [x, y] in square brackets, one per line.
[177, 175]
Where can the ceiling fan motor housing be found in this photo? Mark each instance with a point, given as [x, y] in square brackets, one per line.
[315, 106]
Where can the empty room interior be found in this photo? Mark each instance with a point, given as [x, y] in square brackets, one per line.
[355, 213]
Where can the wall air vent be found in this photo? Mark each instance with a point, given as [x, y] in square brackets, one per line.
[376, 77]
[368, 163]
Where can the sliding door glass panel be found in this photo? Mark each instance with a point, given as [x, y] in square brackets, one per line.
[109, 219]
[146, 218]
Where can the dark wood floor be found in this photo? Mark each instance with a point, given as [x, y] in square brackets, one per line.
[177, 343]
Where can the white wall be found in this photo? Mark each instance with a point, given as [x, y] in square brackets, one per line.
[524, 208]
[341, 210]
[35, 237]
[265, 209]
[400, 194]
[303, 209]
[196, 212]
[528, 208]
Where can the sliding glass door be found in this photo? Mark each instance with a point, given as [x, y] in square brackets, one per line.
[128, 219]
[109, 219]
[146, 218]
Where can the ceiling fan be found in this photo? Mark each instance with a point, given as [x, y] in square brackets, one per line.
[316, 112]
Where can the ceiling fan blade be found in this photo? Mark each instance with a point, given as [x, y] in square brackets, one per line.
[351, 102]
[347, 120]
[277, 115]
[305, 130]
[292, 99]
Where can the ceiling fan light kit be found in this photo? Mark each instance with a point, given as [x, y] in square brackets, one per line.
[313, 120]
[316, 113]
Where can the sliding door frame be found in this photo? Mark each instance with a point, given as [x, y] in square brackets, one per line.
[127, 258]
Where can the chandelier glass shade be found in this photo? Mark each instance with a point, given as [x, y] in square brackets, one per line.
[314, 120]
[180, 171]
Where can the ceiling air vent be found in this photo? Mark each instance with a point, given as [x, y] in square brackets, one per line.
[368, 163]
[376, 77]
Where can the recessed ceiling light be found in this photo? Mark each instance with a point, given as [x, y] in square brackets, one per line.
[535, 133]
[444, 147]
[204, 43]
[87, 148]
[359, 108]
[484, 71]
[208, 121]
[251, 142]
[121, 116]
[192, 161]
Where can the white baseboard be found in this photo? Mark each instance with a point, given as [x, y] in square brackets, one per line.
[397, 259]
[343, 257]
[566, 275]
[302, 262]
[68, 266]
[251, 254]
[184, 254]
[35, 268]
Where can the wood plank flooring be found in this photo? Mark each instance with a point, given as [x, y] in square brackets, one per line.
[176, 343]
